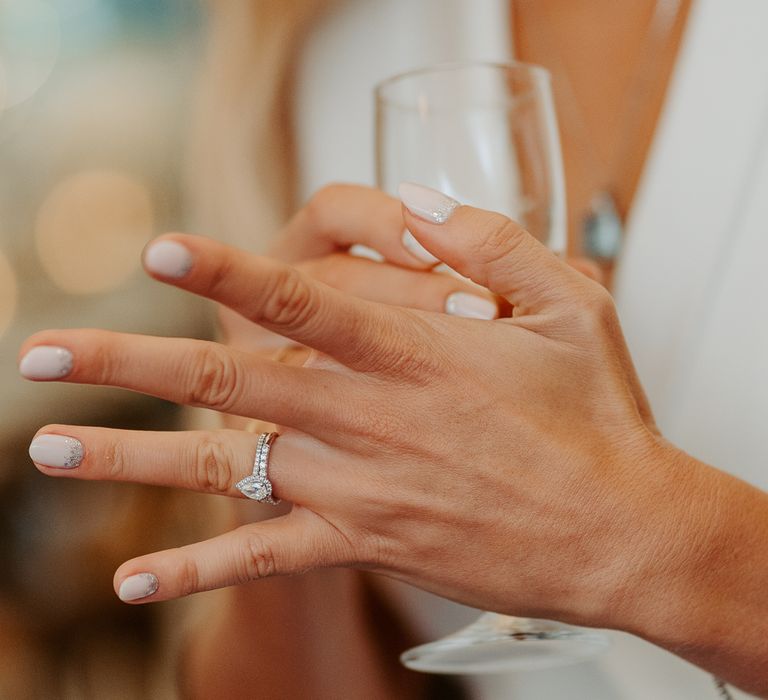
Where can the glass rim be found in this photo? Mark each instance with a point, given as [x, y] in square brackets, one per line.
[448, 66]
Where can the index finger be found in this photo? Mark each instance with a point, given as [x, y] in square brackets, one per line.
[280, 298]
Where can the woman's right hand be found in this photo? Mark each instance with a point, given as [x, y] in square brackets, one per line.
[317, 241]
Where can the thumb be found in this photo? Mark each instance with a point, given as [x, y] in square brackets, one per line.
[490, 249]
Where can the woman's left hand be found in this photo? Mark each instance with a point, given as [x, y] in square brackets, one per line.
[507, 464]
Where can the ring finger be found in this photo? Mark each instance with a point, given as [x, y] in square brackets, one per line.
[204, 461]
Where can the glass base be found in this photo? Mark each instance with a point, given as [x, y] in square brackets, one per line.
[497, 644]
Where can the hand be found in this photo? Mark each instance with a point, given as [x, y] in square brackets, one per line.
[317, 241]
[412, 435]
[508, 464]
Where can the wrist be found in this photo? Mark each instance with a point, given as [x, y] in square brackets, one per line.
[678, 535]
[697, 586]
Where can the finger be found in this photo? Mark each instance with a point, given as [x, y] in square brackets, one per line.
[291, 544]
[280, 298]
[375, 282]
[414, 289]
[203, 461]
[490, 249]
[340, 216]
[190, 372]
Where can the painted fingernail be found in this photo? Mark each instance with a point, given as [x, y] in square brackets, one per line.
[137, 587]
[46, 362]
[470, 306]
[417, 250]
[427, 203]
[58, 451]
[363, 251]
[168, 259]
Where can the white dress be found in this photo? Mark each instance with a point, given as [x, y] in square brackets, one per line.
[692, 288]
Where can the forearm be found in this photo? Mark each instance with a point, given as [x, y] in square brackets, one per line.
[705, 598]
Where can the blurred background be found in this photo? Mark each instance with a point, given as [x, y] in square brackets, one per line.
[94, 104]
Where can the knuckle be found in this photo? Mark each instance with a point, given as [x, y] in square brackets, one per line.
[321, 204]
[214, 379]
[378, 427]
[103, 364]
[213, 466]
[382, 424]
[419, 355]
[289, 300]
[258, 558]
[188, 577]
[341, 545]
[597, 311]
[374, 551]
[114, 461]
[500, 238]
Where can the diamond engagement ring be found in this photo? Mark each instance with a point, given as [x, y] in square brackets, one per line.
[257, 486]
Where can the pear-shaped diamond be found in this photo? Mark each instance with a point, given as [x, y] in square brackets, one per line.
[257, 488]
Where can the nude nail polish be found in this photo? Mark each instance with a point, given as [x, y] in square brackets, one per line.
[363, 251]
[168, 259]
[57, 451]
[426, 203]
[137, 587]
[470, 306]
[46, 362]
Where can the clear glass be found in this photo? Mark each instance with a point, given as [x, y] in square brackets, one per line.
[485, 134]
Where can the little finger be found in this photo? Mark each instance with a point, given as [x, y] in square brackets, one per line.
[291, 544]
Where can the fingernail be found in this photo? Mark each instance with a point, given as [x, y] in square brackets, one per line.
[417, 250]
[470, 306]
[138, 586]
[427, 203]
[57, 451]
[363, 251]
[46, 362]
[168, 259]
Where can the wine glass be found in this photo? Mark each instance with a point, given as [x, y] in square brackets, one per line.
[485, 134]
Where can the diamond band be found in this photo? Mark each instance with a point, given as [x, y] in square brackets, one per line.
[257, 485]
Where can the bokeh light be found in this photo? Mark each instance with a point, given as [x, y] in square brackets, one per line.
[30, 40]
[91, 229]
[8, 293]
